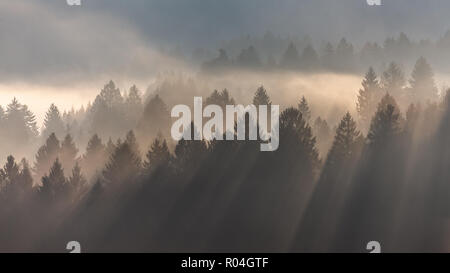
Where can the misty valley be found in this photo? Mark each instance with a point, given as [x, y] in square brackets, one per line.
[154, 127]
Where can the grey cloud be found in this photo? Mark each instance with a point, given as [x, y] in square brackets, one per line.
[48, 41]
[47, 44]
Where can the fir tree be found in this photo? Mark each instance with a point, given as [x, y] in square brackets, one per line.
[46, 155]
[368, 96]
[393, 80]
[68, 153]
[53, 122]
[26, 178]
[303, 107]
[54, 184]
[261, 97]
[346, 145]
[133, 105]
[123, 166]
[10, 174]
[220, 98]
[130, 139]
[77, 181]
[309, 59]
[291, 58]
[155, 119]
[249, 58]
[386, 124]
[95, 157]
[19, 124]
[423, 87]
[158, 156]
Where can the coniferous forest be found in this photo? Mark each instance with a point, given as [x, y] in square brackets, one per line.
[349, 169]
[383, 176]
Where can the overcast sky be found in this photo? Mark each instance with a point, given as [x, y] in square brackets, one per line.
[49, 42]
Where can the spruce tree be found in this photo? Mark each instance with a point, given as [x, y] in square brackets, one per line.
[158, 156]
[386, 124]
[77, 180]
[346, 145]
[328, 57]
[123, 166]
[320, 219]
[298, 139]
[393, 80]
[261, 97]
[189, 154]
[54, 184]
[107, 114]
[53, 122]
[109, 148]
[10, 173]
[155, 119]
[291, 58]
[130, 139]
[423, 86]
[46, 155]
[220, 98]
[68, 153]
[368, 96]
[303, 107]
[133, 104]
[249, 57]
[26, 178]
[309, 59]
[95, 157]
[19, 124]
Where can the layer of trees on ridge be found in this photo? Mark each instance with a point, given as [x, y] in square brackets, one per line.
[275, 52]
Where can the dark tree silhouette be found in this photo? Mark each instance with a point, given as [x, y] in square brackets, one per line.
[189, 154]
[261, 97]
[15, 181]
[68, 153]
[95, 156]
[220, 62]
[291, 58]
[303, 107]
[26, 178]
[19, 125]
[322, 215]
[322, 132]
[77, 181]
[130, 139]
[9, 175]
[386, 123]
[158, 157]
[249, 58]
[107, 115]
[133, 105]
[46, 156]
[393, 80]
[345, 55]
[54, 185]
[53, 123]
[155, 119]
[109, 148]
[309, 59]
[220, 98]
[124, 165]
[368, 97]
[423, 87]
